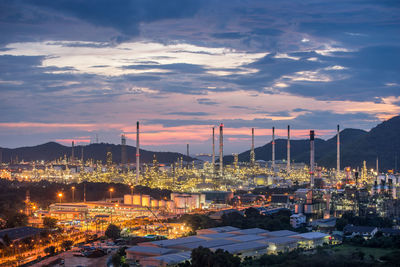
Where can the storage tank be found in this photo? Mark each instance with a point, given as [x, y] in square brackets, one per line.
[137, 200]
[154, 203]
[128, 199]
[181, 201]
[170, 205]
[146, 201]
[162, 203]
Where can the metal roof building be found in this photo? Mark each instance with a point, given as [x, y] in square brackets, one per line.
[165, 260]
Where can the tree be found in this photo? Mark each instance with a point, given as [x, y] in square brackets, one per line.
[113, 232]
[50, 250]
[252, 213]
[17, 220]
[116, 260]
[202, 257]
[49, 222]
[67, 244]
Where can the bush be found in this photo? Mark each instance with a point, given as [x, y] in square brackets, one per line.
[113, 232]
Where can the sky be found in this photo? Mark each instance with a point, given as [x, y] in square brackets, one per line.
[71, 70]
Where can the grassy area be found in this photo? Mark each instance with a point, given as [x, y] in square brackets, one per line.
[349, 250]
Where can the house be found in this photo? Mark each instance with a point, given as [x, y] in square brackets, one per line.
[297, 220]
[389, 231]
[364, 231]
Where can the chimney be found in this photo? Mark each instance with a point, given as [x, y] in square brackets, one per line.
[377, 166]
[288, 148]
[73, 152]
[252, 154]
[82, 154]
[213, 148]
[137, 153]
[338, 152]
[123, 151]
[187, 154]
[221, 149]
[273, 148]
[312, 164]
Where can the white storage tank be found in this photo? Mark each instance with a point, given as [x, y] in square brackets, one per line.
[162, 203]
[170, 205]
[146, 201]
[137, 200]
[154, 203]
[128, 199]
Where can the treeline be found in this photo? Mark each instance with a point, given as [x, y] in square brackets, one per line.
[250, 219]
[350, 218]
[204, 257]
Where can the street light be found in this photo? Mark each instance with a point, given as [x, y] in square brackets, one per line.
[60, 195]
[111, 191]
[73, 193]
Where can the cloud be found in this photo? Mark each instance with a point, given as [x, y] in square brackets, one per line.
[206, 101]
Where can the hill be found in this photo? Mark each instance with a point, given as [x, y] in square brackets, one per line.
[382, 141]
[51, 150]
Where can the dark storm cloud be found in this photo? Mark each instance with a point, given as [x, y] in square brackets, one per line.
[318, 119]
[123, 15]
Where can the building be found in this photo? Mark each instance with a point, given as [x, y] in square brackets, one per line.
[252, 242]
[297, 220]
[19, 233]
[364, 231]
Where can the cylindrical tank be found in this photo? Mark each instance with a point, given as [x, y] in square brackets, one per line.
[181, 202]
[170, 205]
[127, 199]
[146, 201]
[137, 200]
[154, 203]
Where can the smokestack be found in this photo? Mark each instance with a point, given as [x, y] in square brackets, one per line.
[221, 149]
[213, 148]
[123, 151]
[288, 148]
[252, 154]
[82, 154]
[187, 154]
[1, 155]
[338, 152]
[312, 164]
[73, 152]
[273, 148]
[137, 153]
[377, 166]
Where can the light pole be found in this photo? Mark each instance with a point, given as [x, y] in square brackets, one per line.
[73, 193]
[111, 191]
[60, 195]
[132, 194]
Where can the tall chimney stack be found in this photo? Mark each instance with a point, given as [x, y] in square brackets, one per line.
[123, 151]
[252, 154]
[213, 148]
[187, 154]
[312, 164]
[221, 149]
[338, 152]
[288, 148]
[73, 152]
[273, 148]
[377, 166]
[137, 153]
[82, 154]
